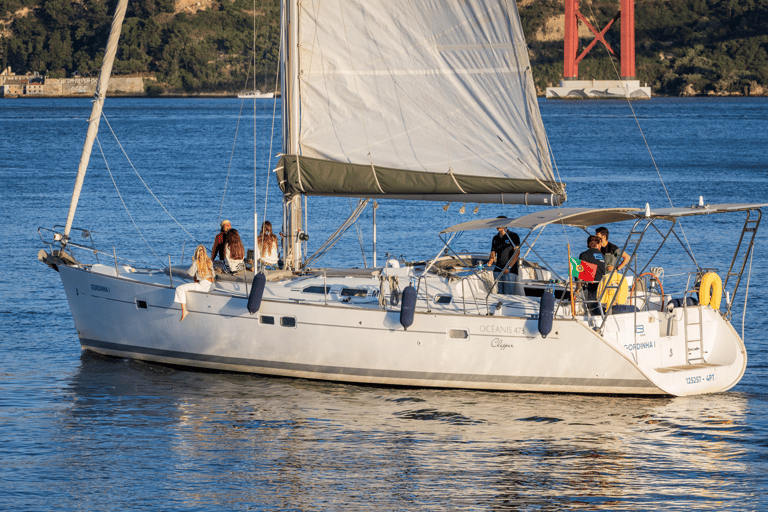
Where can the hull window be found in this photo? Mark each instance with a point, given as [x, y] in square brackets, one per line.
[442, 299]
[458, 334]
[141, 304]
[288, 321]
[270, 320]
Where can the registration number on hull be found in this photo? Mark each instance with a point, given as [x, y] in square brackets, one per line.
[700, 378]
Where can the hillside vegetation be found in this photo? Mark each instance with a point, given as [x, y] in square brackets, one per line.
[682, 46]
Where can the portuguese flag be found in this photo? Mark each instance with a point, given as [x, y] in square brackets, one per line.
[583, 270]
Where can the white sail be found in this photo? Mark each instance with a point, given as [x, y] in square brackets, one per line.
[437, 96]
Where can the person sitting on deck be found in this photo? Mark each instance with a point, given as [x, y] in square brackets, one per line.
[202, 271]
[267, 245]
[503, 247]
[233, 252]
[217, 251]
[594, 256]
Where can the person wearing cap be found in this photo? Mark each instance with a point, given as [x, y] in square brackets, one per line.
[217, 252]
[503, 247]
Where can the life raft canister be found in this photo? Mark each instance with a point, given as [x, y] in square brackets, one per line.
[408, 307]
[257, 292]
[546, 313]
[621, 299]
[711, 290]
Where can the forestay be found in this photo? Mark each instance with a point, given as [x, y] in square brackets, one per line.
[415, 98]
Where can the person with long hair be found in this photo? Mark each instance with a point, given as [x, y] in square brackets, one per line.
[267, 242]
[233, 252]
[202, 272]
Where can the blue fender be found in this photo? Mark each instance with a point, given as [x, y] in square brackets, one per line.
[257, 292]
[408, 307]
[546, 313]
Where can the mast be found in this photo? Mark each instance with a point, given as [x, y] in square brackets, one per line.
[98, 103]
[291, 203]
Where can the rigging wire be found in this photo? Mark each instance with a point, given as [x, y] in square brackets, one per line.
[359, 236]
[271, 138]
[231, 157]
[237, 128]
[126, 206]
[642, 134]
[271, 144]
[559, 205]
[255, 173]
[142, 179]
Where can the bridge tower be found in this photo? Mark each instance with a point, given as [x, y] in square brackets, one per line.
[573, 87]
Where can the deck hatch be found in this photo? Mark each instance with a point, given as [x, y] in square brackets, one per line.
[317, 289]
[354, 292]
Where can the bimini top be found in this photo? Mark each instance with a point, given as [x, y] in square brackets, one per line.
[578, 217]
[686, 211]
[586, 217]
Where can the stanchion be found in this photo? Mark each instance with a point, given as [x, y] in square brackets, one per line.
[570, 281]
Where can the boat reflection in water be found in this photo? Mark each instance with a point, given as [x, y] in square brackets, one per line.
[307, 445]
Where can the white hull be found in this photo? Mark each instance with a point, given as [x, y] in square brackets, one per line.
[362, 343]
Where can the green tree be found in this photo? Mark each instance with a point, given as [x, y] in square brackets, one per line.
[59, 51]
[56, 13]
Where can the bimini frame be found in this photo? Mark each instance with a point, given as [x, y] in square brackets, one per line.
[644, 220]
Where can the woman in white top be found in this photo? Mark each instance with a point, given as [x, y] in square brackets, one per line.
[233, 252]
[202, 271]
[267, 242]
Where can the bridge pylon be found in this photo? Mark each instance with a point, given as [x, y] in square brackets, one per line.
[572, 86]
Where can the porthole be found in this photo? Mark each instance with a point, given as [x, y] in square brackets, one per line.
[288, 321]
[141, 304]
[269, 320]
[443, 299]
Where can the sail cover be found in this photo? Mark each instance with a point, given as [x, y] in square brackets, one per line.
[420, 97]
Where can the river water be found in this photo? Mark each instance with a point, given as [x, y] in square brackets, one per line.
[83, 432]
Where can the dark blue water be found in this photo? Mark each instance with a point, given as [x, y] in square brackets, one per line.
[84, 432]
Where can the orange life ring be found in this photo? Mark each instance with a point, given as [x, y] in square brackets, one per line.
[653, 276]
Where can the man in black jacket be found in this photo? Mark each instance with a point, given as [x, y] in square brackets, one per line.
[594, 256]
[503, 246]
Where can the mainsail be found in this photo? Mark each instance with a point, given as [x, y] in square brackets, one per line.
[429, 99]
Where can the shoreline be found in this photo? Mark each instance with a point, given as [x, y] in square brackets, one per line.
[277, 95]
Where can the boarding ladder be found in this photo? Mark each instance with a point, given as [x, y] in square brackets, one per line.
[693, 318]
[633, 240]
[750, 226]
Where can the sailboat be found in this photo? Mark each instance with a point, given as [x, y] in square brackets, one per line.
[434, 104]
